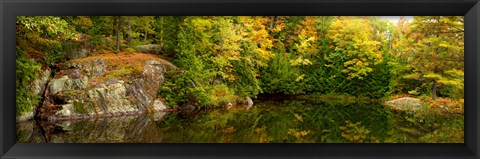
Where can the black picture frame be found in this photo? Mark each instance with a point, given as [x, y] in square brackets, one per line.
[9, 9]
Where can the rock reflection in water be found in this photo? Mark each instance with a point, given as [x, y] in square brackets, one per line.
[127, 129]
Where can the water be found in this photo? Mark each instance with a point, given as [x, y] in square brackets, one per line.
[268, 121]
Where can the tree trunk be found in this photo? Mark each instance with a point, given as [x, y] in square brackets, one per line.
[161, 31]
[119, 25]
[434, 91]
[145, 36]
[115, 21]
[129, 42]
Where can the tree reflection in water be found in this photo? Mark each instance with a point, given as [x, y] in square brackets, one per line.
[268, 121]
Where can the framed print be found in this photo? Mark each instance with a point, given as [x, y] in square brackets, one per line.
[239, 79]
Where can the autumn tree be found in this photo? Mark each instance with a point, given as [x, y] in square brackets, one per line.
[256, 46]
[353, 44]
[436, 52]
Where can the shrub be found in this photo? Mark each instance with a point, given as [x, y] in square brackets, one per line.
[26, 72]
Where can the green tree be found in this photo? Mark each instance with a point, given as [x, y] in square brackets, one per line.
[256, 44]
[436, 52]
[166, 31]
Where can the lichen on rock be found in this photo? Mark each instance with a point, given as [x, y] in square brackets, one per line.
[92, 67]
[66, 83]
[76, 95]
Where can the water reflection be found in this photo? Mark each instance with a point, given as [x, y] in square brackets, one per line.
[268, 121]
[129, 129]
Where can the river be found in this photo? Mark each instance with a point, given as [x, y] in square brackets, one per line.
[267, 121]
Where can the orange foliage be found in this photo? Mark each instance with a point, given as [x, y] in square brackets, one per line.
[135, 60]
[446, 105]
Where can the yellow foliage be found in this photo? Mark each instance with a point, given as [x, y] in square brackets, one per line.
[352, 38]
[298, 117]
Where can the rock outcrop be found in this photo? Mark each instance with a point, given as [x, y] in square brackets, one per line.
[82, 91]
[405, 103]
[144, 89]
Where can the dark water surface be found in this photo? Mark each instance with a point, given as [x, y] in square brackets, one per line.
[268, 121]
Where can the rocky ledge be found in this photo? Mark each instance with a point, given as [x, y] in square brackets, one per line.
[92, 87]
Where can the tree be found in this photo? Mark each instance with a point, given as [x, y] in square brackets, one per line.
[118, 22]
[353, 44]
[436, 52]
[139, 26]
[166, 31]
[40, 42]
[256, 44]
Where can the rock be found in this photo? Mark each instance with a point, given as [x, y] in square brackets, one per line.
[25, 116]
[90, 68]
[76, 97]
[229, 105]
[150, 48]
[37, 87]
[158, 105]
[405, 103]
[74, 74]
[249, 102]
[108, 97]
[67, 110]
[138, 92]
[78, 53]
[66, 83]
[144, 89]
[159, 116]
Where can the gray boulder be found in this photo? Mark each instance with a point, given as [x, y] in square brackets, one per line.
[150, 48]
[249, 101]
[405, 103]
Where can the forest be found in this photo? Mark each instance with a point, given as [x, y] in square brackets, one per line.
[222, 59]
[274, 55]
